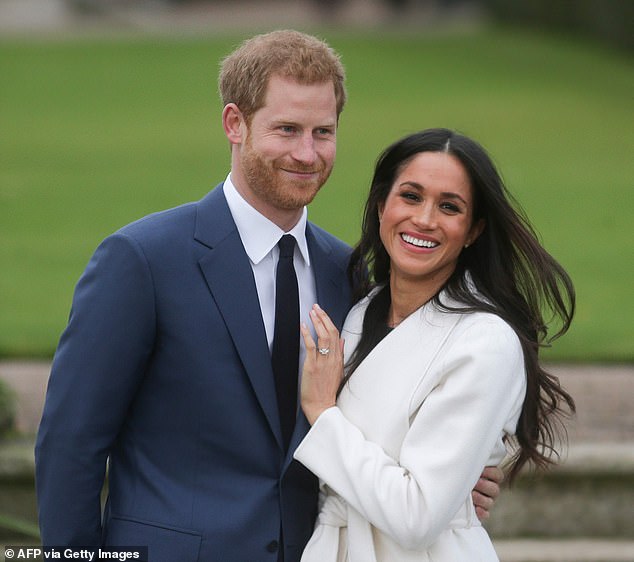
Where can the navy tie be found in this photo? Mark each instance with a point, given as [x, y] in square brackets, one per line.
[285, 355]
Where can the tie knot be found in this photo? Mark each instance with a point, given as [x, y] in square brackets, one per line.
[287, 246]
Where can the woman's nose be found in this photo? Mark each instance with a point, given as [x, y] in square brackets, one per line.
[425, 216]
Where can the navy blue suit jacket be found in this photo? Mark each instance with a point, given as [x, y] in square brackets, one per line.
[165, 371]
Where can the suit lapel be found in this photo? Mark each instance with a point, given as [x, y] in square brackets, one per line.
[330, 278]
[332, 296]
[228, 274]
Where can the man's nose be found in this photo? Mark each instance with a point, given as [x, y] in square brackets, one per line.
[304, 150]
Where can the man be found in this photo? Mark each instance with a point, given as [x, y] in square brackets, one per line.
[165, 368]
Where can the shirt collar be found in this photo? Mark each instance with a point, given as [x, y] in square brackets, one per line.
[258, 234]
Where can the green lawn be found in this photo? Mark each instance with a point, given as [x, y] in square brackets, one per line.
[95, 133]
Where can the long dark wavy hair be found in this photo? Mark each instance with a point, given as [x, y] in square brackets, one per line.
[513, 275]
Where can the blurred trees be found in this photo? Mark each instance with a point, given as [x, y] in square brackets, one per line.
[611, 21]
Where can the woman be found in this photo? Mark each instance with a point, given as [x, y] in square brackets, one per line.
[441, 360]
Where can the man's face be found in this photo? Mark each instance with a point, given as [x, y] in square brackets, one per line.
[289, 148]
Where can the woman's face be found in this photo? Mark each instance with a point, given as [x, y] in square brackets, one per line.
[427, 219]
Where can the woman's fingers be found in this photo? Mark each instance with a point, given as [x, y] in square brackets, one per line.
[325, 321]
[323, 366]
[327, 333]
[308, 338]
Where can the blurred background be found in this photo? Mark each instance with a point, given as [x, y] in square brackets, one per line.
[109, 111]
[608, 20]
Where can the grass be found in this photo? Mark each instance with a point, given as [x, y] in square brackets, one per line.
[96, 133]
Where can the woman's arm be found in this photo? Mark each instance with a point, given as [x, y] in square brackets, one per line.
[453, 431]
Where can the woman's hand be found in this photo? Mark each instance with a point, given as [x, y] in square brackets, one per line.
[323, 367]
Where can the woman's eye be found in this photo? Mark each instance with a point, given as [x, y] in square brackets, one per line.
[451, 207]
[410, 196]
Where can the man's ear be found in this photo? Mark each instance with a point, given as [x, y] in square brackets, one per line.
[233, 123]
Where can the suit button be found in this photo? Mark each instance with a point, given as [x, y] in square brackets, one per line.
[272, 546]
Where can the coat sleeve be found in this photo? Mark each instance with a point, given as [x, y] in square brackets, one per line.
[96, 370]
[453, 430]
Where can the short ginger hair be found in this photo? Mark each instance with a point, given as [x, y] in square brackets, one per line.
[245, 73]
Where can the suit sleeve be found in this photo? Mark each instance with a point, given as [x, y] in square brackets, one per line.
[97, 367]
[452, 432]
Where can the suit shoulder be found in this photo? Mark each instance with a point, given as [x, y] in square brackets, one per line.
[339, 247]
[158, 234]
[161, 223]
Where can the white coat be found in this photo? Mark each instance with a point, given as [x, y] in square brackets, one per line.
[418, 421]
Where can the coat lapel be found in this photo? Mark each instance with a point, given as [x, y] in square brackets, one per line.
[228, 274]
[409, 349]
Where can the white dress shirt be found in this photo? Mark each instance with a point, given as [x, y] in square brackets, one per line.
[260, 237]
